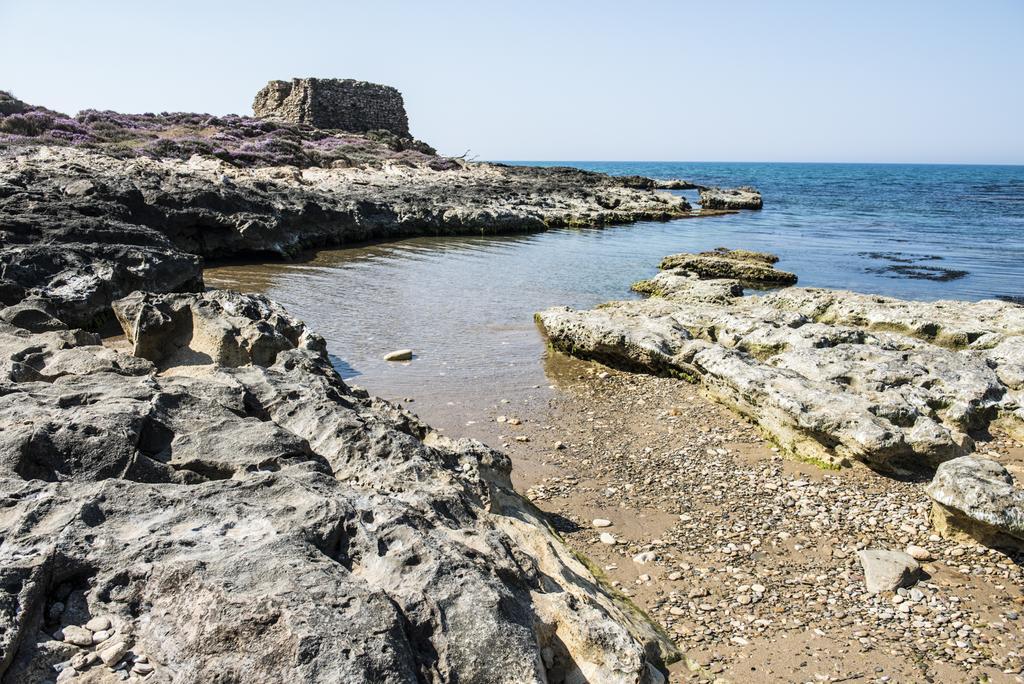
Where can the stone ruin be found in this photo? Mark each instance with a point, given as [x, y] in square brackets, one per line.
[345, 104]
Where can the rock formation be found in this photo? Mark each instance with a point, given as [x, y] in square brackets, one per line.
[832, 376]
[976, 497]
[218, 504]
[115, 225]
[744, 197]
[207, 500]
[343, 104]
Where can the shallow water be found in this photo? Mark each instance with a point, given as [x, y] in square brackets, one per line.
[465, 305]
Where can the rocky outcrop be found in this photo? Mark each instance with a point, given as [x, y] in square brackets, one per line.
[675, 184]
[343, 104]
[219, 505]
[83, 227]
[832, 376]
[743, 197]
[976, 497]
[751, 268]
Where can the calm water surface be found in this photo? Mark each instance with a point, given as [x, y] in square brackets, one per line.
[465, 305]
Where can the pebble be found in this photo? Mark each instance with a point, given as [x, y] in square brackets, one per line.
[918, 552]
[399, 355]
[607, 538]
[79, 636]
[98, 624]
[112, 654]
[601, 522]
[645, 557]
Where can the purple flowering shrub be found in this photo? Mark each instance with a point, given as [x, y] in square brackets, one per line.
[238, 140]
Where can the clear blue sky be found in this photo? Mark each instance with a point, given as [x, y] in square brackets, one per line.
[892, 81]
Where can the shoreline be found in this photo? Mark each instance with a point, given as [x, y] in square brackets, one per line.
[215, 449]
[640, 450]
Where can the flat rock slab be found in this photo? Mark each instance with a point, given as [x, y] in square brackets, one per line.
[746, 267]
[832, 376]
[743, 197]
[888, 570]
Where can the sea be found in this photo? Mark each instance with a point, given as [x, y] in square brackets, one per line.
[465, 305]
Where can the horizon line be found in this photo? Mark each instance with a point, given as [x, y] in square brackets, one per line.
[745, 161]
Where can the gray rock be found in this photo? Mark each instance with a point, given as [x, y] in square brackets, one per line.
[887, 570]
[111, 654]
[743, 197]
[977, 497]
[98, 624]
[833, 376]
[748, 267]
[79, 636]
[263, 497]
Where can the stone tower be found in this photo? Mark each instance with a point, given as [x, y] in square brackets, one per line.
[345, 104]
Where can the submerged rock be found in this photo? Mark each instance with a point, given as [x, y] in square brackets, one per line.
[237, 512]
[976, 497]
[743, 197]
[833, 376]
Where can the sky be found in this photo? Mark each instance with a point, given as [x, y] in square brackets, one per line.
[865, 81]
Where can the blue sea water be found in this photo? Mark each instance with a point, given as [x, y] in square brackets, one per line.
[466, 304]
[833, 224]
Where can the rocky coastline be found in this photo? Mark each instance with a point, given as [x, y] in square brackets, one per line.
[203, 495]
[195, 492]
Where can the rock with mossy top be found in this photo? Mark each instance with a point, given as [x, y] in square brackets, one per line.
[753, 268]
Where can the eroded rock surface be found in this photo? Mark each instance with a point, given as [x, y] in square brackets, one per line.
[754, 268]
[977, 497]
[227, 508]
[743, 197]
[83, 227]
[832, 376]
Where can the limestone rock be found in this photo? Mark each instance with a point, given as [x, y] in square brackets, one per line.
[148, 222]
[977, 497]
[887, 570]
[743, 197]
[833, 376]
[258, 519]
[345, 104]
[399, 355]
[749, 267]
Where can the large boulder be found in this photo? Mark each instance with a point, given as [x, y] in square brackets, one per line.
[344, 104]
[243, 514]
[976, 497]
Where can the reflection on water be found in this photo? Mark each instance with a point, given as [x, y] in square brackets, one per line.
[466, 305]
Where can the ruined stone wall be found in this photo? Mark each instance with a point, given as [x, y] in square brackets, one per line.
[346, 104]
